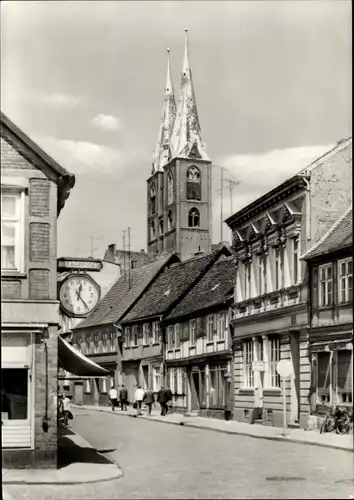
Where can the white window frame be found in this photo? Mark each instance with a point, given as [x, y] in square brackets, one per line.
[104, 385]
[295, 263]
[145, 334]
[19, 220]
[248, 356]
[170, 337]
[221, 325]
[156, 370]
[135, 336]
[247, 280]
[326, 281]
[210, 327]
[343, 281]
[177, 336]
[260, 274]
[274, 358]
[277, 268]
[192, 332]
[170, 197]
[155, 332]
[88, 386]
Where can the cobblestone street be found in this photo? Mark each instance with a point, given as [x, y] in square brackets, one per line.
[167, 461]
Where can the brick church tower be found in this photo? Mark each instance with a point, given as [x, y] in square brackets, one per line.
[179, 187]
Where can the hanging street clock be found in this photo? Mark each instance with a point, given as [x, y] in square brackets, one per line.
[79, 295]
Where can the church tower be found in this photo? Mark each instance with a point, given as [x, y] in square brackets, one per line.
[179, 189]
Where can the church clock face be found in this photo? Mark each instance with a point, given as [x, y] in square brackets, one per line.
[79, 295]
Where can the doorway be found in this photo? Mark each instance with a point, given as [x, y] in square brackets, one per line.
[145, 377]
[295, 382]
[195, 390]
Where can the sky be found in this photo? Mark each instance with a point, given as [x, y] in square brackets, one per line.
[85, 80]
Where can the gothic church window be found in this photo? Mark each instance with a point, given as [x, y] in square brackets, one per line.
[193, 183]
[153, 198]
[169, 220]
[193, 218]
[169, 188]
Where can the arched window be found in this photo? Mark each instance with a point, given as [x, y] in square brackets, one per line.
[153, 198]
[169, 188]
[169, 220]
[153, 231]
[193, 183]
[193, 218]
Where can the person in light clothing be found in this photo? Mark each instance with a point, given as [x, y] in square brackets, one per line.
[66, 409]
[113, 396]
[138, 399]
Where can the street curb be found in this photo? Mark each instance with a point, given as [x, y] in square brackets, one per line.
[230, 432]
[118, 473]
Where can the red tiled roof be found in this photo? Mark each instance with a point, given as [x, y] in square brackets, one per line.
[339, 236]
[215, 288]
[171, 285]
[121, 297]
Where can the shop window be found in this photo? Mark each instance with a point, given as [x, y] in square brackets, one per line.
[217, 391]
[153, 198]
[345, 377]
[193, 183]
[169, 188]
[323, 377]
[248, 374]
[202, 390]
[12, 230]
[193, 218]
[14, 393]
[325, 285]
[104, 386]
[274, 357]
[88, 386]
[192, 332]
[345, 276]
[156, 378]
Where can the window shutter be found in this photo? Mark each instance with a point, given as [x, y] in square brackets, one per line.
[315, 287]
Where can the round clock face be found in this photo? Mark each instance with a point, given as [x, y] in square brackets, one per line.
[79, 295]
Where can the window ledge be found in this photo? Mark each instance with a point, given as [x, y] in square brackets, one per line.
[5, 274]
[220, 340]
[192, 346]
[272, 389]
[210, 342]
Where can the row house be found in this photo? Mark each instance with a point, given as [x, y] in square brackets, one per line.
[143, 352]
[199, 346]
[270, 304]
[98, 336]
[33, 192]
[330, 269]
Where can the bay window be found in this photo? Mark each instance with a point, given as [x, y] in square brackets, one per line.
[12, 230]
[325, 285]
[345, 281]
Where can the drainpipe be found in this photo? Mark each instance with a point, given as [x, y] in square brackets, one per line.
[308, 210]
[45, 421]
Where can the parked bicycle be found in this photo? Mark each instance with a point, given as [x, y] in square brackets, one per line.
[336, 419]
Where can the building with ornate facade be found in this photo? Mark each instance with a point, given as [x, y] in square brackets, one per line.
[271, 295]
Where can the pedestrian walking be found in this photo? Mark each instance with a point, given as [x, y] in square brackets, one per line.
[149, 399]
[138, 399]
[113, 397]
[162, 398]
[66, 409]
[123, 396]
[169, 398]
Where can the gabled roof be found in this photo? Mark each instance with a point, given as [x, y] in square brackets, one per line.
[215, 288]
[120, 298]
[171, 286]
[339, 236]
[37, 157]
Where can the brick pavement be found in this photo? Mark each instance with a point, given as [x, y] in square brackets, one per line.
[299, 436]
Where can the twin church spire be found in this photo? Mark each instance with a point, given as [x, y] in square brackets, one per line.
[179, 133]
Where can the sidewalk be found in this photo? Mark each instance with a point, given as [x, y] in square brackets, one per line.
[299, 436]
[78, 463]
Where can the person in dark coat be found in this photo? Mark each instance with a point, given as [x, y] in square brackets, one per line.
[149, 399]
[162, 398]
[123, 396]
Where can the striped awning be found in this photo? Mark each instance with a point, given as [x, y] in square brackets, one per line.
[72, 361]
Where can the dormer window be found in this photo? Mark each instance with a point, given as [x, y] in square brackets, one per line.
[193, 183]
[153, 198]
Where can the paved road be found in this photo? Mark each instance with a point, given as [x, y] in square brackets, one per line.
[167, 461]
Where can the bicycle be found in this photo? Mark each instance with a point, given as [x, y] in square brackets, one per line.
[337, 418]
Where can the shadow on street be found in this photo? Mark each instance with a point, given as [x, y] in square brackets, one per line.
[70, 453]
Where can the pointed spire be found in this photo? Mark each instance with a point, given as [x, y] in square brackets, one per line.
[162, 153]
[186, 137]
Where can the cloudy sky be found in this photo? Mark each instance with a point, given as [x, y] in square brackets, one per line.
[86, 81]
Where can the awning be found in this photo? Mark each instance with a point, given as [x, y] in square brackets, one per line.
[73, 361]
